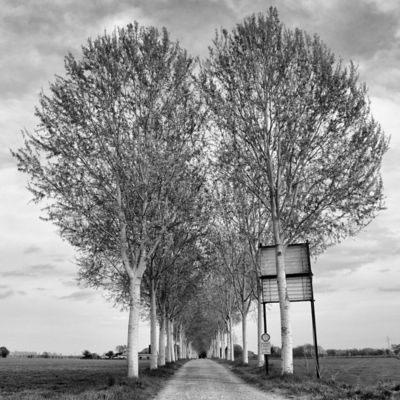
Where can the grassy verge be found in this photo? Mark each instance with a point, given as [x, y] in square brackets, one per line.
[112, 387]
[308, 387]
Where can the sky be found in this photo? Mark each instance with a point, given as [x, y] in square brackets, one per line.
[42, 307]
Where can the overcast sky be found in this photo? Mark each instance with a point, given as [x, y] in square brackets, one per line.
[356, 283]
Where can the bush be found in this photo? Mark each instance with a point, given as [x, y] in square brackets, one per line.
[4, 352]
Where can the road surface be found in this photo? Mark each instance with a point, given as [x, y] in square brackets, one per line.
[205, 379]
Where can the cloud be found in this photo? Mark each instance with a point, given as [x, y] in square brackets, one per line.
[42, 267]
[79, 295]
[32, 249]
[5, 294]
[390, 289]
[18, 273]
[376, 243]
[32, 271]
[6, 159]
[70, 283]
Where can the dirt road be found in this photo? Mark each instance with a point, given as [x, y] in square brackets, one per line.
[207, 380]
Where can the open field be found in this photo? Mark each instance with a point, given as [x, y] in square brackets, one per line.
[341, 378]
[39, 378]
[352, 371]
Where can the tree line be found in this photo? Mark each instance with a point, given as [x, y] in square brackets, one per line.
[166, 172]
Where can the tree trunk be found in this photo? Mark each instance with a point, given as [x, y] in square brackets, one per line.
[172, 341]
[228, 345]
[260, 329]
[230, 339]
[224, 346]
[284, 303]
[245, 356]
[180, 343]
[218, 344]
[161, 339]
[168, 332]
[133, 328]
[153, 326]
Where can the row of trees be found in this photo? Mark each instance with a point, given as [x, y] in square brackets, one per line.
[166, 173]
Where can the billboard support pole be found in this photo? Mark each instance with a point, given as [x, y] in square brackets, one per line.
[265, 331]
[315, 339]
[313, 318]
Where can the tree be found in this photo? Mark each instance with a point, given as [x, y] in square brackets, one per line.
[86, 354]
[109, 354]
[121, 350]
[179, 248]
[295, 129]
[4, 352]
[242, 218]
[116, 135]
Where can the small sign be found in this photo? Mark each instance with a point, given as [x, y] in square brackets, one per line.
[265, 348]
[265, 337]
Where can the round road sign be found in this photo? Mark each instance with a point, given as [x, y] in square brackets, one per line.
[265, 337]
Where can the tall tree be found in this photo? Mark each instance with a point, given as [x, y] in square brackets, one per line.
[116, 135]
[296, 130]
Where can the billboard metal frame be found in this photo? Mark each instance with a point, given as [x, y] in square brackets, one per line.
[309, 275]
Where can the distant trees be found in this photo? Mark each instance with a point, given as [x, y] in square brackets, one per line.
[109, 354]
[4, 352]
[396, 349]
[307, 350]
[87, 355]
[121, 350]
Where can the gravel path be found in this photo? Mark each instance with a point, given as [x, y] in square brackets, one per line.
[207, 380]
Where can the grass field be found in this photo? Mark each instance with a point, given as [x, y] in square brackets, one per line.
[353, 371]
[341, 378]
[75, 379]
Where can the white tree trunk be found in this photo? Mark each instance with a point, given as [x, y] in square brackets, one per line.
[172, 348]
[245, 356]
[260, 329]
[228, 344]
[169, 344]
[224, 345]
[190, 350]
[231, 344]
[153, 326]
[133, 329]
[180, 355]
[284, 303]
[161, 338]
[218, 344]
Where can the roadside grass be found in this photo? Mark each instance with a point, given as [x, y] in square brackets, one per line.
[304, 385]
[82, 380]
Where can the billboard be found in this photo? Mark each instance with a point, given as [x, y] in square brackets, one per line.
[298, 273]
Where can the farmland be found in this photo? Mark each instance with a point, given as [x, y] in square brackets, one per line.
[341, 378]
[351, 371]
[38, 378]
[75, 379]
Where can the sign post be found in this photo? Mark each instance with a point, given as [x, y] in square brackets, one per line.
[298, 280]
[267, 337]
